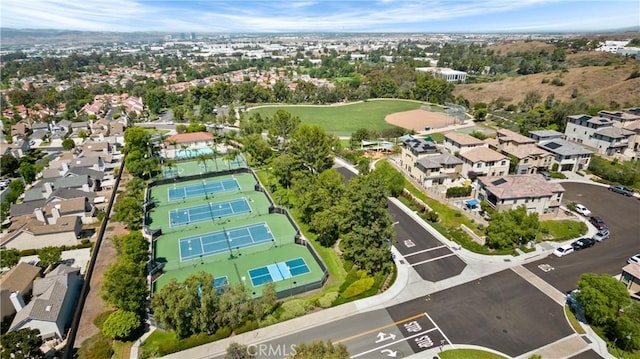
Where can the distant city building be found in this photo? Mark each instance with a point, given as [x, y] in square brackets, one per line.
[192, 36]
[446, 73]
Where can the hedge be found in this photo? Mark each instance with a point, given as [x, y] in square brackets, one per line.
[358, 287]
[458, 191]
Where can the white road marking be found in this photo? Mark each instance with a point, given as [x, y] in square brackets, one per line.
[424, 250]
[433, 259]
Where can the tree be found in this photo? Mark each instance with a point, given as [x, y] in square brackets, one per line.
[393, 180]
[136, 138]
[125, 286]
[49, 255]
[320, 349]
[9, 258]
[257, 147]
[284, 168]
[21, 344]
[238, 351]
[128, 210]
[281, 127]
[135, 187]
[326, 225]
[68, 144]
[28, 171]
[367, 224]
[120, 324]
[132, 247]
[602, 297]
[310, 147]
[513, 227]
[8, 165]
[82, 134]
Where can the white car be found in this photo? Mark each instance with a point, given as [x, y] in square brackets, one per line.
[583, 210]
[634, 260]
[563, 251]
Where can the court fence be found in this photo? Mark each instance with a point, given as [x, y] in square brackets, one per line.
[300, 289]
[273, 209]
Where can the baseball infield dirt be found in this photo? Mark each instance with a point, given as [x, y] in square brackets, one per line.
[418, 120]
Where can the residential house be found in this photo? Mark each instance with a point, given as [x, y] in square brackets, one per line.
[18, 279]
[598, 133]
[530, 190]
[631, 279]
[16, 149]
[620, 118]
[20, 130]
[568, 156]
[425, 163]
[76, 127]
[45, 187]
[483, 161]
[461, 142]
[183, 143]
[79, 207]
[61, 128]
[98, 147]
[53, 303]
[27, 232]
[528, 159]
[543, 135]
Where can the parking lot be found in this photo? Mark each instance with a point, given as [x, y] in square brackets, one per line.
[621, 215]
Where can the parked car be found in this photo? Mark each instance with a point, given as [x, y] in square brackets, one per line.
[583, 210]
[572, 300]
[634, 260]
[598, 223]
[563, 250]
[601, 235]
[582, 243]
[622, 190]
[545, 174]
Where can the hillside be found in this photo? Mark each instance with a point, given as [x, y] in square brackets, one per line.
[598, 84]
[520, 46]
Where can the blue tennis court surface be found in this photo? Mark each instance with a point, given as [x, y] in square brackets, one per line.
[170, 172]
[201, 189]
[224, 241]
[182, 216]
[220, 283]
[278, 271]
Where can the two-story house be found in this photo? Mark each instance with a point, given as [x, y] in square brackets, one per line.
[483, 161]
[183, 144]
[425, 163]
[461, 142]
[568, 156]
[530, 190]
[598, 133]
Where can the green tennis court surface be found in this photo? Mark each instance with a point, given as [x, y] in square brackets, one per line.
[201, 189]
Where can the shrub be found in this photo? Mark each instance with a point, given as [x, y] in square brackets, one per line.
[557, 175]
[458, 191]
[557, 82]
[27, 252]
[347, 265]
[432, 216]
[96, 347]
[100, 318]
[120, 324]
[358, 287]
[248, 326]
[326, 300]
[554, 167]
[294, 308]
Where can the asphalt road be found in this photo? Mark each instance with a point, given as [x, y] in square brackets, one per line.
[620, 213]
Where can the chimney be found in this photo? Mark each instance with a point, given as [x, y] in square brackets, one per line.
[48, 189]
[17, 301]
[55, 211]
[40, 215]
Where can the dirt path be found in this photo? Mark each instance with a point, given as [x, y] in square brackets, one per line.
[94, 304]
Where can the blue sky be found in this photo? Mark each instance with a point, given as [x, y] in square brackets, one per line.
[325, 15]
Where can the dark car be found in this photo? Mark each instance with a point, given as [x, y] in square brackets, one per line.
[582, 243]
[622, 190]
[598, 223]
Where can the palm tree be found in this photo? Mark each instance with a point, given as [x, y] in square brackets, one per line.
[214, 154]
[184, 149]
[174, 143]
[170, 164]
[203, 159]
[232, 154]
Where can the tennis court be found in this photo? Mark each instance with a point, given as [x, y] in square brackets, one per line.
[171, 171]
[225, 240]
[201, 189]
[278, 271]
[182, 216]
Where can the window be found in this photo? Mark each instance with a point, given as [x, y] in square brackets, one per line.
[503, 163]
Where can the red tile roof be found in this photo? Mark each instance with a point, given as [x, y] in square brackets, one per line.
[190, 137]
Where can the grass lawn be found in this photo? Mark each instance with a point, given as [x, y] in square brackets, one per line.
[436, 137]
[346, 119]
[561, 230]
[468, 354]
[573, 321]
[121, 350]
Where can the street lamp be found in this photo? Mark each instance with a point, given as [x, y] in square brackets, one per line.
[629, 336]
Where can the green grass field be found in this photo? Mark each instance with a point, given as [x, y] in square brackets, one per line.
[346, 119]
